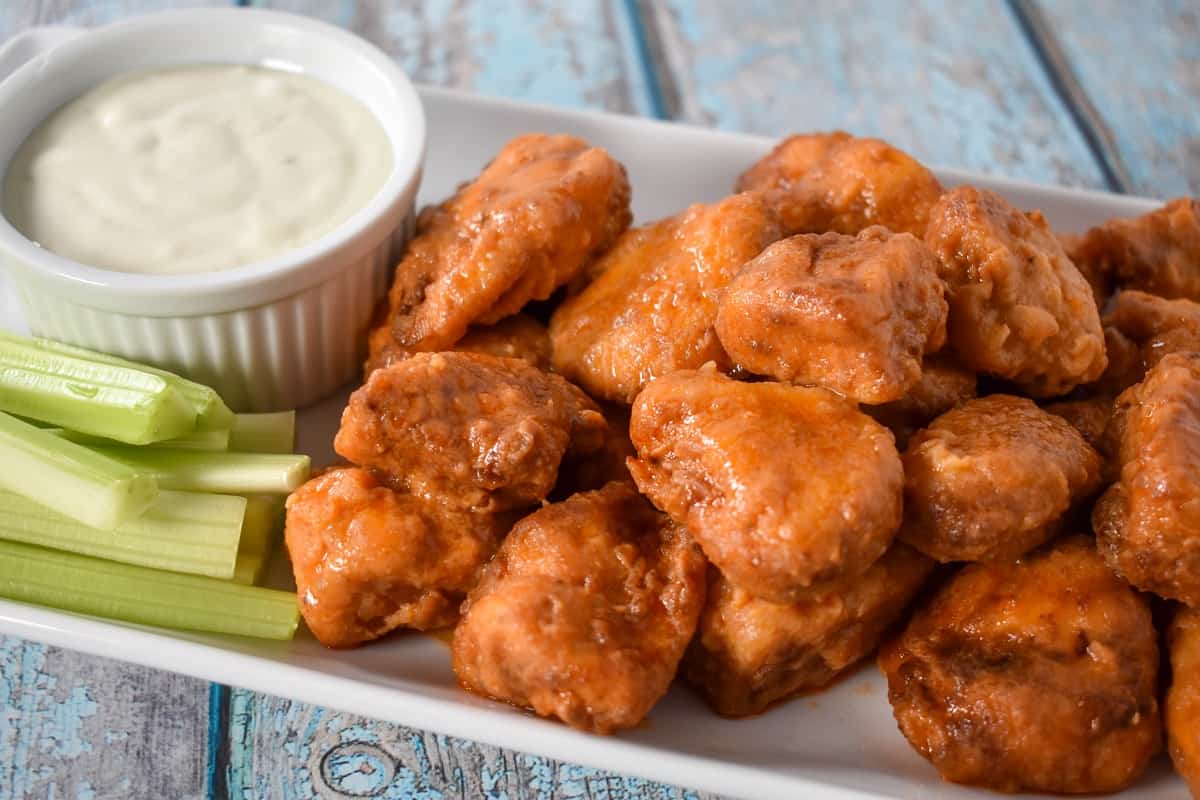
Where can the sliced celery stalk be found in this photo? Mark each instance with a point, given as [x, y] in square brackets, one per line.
[116, 402]
[180, 531]
[258, 537]
[261, 523]
[79, 483]
[146, 596]
[209, 441]
[263, 433]
[250, 568]
[232, 473]
[211, 411]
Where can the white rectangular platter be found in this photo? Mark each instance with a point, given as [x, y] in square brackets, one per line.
[841, 743]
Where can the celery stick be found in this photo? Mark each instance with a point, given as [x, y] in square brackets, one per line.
[258, 537]
[145, 596]
[232, 473]
[180, 531]
[263, 433]
[129, 405]
[211, 411]
[210, 441]
[250, 568]
[83, 485]
[261, 523]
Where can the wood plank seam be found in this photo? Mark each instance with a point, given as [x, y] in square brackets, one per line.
[647, 45]
[1083, 112]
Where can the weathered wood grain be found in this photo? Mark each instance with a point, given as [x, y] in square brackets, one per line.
[83, 727]
[16, 15]
[330, 754]
[1138, 67]
[955, 84]
[566, 53]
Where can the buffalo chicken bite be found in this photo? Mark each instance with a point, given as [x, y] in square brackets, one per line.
[852, 314]
[943, 385]
[653, 304]
[1158, 252]
[751, 653]
[472, 431]
[1039, 675]
[1148, 523]
[1183, 698]
[1019, 309]
[584, 612]
[784, 487]
[821, 182]
[368, 560]
[537, 214]
[992, 479]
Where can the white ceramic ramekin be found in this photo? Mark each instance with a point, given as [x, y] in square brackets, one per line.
[280, 333]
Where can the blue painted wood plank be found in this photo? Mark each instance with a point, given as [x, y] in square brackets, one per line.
[22, 14]
[580, 54]
[293, 751]
[81, 727]
[1138, 65]
[955, 84]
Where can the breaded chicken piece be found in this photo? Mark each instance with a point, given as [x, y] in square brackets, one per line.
[472, 431]
[1183, 698]
[1096, 274]
[1039, 675]
[1089, 416]
[585, 611]
[749, 654]
[943, 385]
[369, 560]
[586, 472]
[992, 479]
[852, 314]
[1151, 327]
[1019, 309]
[532, 220]
[519, 336]
[784, 487]
[1148, 523]
[1158, 252]
[837, 182]
[652, 307]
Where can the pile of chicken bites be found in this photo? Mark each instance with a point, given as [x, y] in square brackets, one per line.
[842, 410]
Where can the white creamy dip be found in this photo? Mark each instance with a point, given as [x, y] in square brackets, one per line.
[195, 169]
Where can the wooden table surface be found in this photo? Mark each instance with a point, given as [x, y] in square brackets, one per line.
[1097, 93]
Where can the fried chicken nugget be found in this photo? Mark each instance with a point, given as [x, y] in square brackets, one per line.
[1148, 523]
[943, 385]
[368, 560]
[749, 654]
[1089, 416]
[652, 307]
[585, 611]
[519, 336]
[852, 314]
[992, 479]
[1183, 698]
[1155, 327]
[586, 472]
[1039, 675]
[473, 431]
[1158, 252]
[532, 220]
[837, 182]
[1019, 309]
[784, 487]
